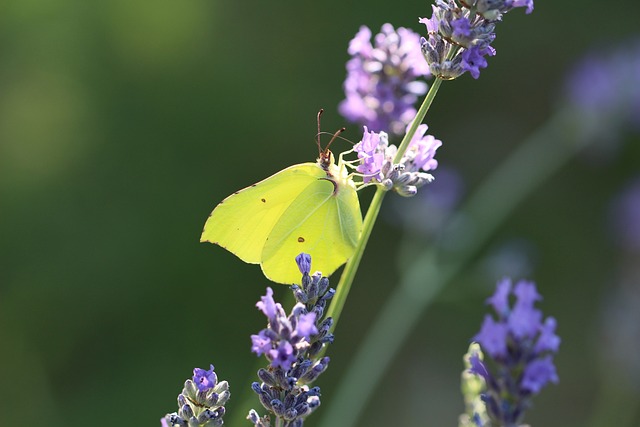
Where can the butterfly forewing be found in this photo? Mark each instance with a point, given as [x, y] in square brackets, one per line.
[242, 222]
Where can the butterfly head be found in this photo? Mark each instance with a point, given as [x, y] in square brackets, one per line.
[326, 159]
[325, 156]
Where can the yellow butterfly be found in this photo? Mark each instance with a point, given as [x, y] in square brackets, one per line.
[309, 207]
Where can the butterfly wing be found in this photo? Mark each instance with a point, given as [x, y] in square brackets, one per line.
[242, 222]
[296, 210]
[324, 221]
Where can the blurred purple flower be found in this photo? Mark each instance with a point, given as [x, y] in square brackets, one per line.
[603, 90]
[382, 84]
[520, 346]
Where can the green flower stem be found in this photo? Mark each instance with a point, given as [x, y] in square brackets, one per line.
[422, 112]
[346, 280]
[537, 159]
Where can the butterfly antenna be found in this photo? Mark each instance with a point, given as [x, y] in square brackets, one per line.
[347, 140]
[334, 137]
[318, 135]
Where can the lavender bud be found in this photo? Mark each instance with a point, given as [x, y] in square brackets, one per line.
[182, 400]
[299, 294]
[190, 388]
[328, 294]
[290, 414]
[277, 407]
[186, 411]
[266, 377]
[212, 399]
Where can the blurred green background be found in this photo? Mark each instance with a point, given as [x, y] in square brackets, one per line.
[122, 124]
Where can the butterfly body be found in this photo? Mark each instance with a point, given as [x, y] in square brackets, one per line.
[308, 207]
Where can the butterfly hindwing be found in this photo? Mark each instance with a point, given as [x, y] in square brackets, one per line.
[324, 221]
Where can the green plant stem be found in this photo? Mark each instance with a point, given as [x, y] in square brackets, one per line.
[420, 115]
[539, 157]
[346, 280]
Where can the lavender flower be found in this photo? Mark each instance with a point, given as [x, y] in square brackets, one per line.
[205, 380]
[603, 90]
[290, 344]
[521, 347]
[376, 161]
[460, 36]
[201, 402]
[382, 84]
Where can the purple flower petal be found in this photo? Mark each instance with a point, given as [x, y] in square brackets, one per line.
[461, 27]
[267, 305]
[526, 293]
[493, 337]
[538, 373]
[473, 59]
[477, 367]
[370, 150]
[306, 325]
[260, 343]
[204, 380]
[548, 340]
[282, 356]
[524, 321]
[524, 3]
[500, 299]
[423, 149]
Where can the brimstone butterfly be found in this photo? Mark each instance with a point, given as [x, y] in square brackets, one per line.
[309, 207]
